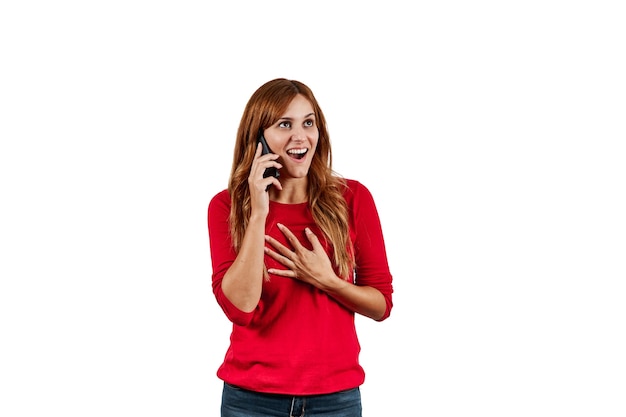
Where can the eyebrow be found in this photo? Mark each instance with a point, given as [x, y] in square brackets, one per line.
[290, 118]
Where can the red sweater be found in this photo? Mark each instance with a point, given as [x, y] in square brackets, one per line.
[298, 340]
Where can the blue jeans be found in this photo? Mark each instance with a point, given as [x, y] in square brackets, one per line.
[238, 402]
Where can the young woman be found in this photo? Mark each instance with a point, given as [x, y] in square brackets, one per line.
[294, 257]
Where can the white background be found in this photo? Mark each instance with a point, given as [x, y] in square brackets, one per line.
[490, 133]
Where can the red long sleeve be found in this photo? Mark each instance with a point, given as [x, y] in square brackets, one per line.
[298, 340]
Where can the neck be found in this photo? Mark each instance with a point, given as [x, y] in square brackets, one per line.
[294, 191]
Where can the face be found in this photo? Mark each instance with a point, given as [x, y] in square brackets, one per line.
[294, 138]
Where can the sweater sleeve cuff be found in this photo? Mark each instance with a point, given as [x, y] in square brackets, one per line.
[234, 314]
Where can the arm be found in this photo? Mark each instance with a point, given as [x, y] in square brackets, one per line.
[314, 267]
[243, 281]
[239, 276]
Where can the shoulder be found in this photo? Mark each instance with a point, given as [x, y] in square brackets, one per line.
[220, 200]
[355, 188]
[355, 191]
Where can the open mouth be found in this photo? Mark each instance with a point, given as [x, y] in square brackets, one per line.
[298, 153]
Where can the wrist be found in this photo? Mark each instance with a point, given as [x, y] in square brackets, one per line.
[333, 284]
[257, 218]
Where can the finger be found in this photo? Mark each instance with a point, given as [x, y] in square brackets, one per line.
[290, 237]
[315, 242]
[282, 258]
[266, 161]
[280, 248]
[277, 183]
[282, 272]
[273, 181]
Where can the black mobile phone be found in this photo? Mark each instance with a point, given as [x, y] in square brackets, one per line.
[273, 171]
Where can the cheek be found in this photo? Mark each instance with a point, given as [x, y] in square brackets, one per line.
[276, 142]
[313, 151]
[315, 142]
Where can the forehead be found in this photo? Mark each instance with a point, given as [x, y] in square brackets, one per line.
[299, 107]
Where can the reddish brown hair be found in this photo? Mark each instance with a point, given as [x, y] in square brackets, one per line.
[325, 188]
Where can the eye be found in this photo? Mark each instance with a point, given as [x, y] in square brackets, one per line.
[284, 124]
[309, 123]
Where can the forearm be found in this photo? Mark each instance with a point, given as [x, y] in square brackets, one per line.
[367, 301]
[243, 281]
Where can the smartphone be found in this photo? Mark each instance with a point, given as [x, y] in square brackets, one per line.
[273, 171]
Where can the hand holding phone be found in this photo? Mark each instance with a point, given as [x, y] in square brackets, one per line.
[265, 149]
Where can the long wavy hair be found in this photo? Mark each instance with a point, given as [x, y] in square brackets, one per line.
[325, 188]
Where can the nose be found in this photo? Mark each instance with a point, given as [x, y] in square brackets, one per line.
[298, 134]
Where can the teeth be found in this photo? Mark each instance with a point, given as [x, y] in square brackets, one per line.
[297, 151]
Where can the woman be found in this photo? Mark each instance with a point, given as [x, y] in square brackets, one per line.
[294, 257]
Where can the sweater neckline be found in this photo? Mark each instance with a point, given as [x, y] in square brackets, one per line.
[276, 203]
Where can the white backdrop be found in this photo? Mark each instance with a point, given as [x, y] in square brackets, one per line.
[490, 133]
